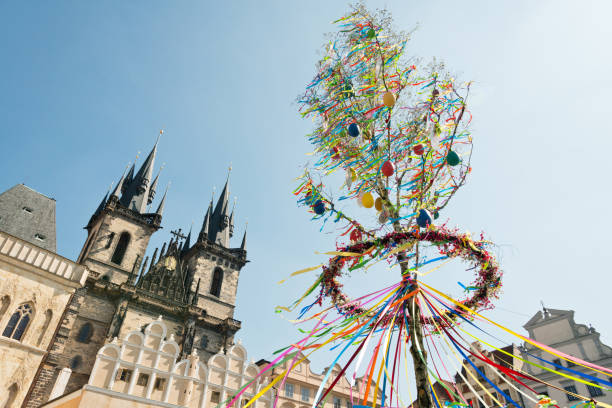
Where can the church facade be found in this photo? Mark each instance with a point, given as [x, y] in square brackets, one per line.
[191, 281]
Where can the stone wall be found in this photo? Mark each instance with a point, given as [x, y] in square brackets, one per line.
[43, 280]
[98, 258]
[204, 265]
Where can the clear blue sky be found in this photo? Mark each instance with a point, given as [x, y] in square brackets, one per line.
[86, 85]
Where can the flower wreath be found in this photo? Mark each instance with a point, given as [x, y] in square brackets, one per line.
[450, 244]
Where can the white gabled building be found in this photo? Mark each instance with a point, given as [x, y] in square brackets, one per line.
[143, 370]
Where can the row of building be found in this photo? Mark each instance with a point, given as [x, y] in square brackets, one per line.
[125, 325]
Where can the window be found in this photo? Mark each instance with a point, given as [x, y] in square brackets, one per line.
[289, 390]
[337, 402]
[124, 375]
[594, 391]
[85, 333]
[39, 237]
[75, 362]
[203, 342]
[305, 394]
[27, 210]
[18, 323]
[244, 402]
[215, 288]
[45, 326]
[571, 388]
[348, 404]
[570, 363]
[160, 384]
[557, 361]
[124, 241]
[143, 379]
[215, 396]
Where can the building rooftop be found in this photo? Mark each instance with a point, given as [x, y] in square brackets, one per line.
[29, 215]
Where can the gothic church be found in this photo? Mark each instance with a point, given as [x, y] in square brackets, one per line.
[191, 281]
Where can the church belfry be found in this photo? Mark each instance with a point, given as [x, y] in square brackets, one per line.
[120, 228]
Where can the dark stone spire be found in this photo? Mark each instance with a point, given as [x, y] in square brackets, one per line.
[102, 203]
[219, 221]
[231, 220]
[187, 242]
[162, 203]
[129, 177]
[206, 224]
[136, 194]
[119, 187]
[153, 189]
[243, 245]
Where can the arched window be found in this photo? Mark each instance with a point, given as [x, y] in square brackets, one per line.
[215, 288]
[19, 322]
[75, 362]
[6, 301]
[10, 398]
[85, 333]
[45, 327]
[124, 241]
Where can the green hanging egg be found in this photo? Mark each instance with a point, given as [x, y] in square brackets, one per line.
[371, 33]
[452, 158]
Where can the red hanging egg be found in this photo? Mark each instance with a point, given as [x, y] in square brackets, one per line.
[355, 235]
[418, 149]
[388, 168]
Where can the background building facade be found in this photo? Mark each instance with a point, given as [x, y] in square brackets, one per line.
[36, 284]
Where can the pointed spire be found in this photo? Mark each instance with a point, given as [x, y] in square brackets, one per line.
[153, 258]
[136, 194]
[118, 187]
[231, 219]
[206, 224]
[162, 252]
[153, 188]
[162, 203]
[187, 242]
[129, 176]
[243, 245]
[102, 203]
[219, 221]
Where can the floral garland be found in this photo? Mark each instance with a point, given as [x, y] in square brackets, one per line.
[451, 244]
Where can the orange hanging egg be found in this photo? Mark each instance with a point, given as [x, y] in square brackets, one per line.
[378, 204]
[389, 99]
[367, 200]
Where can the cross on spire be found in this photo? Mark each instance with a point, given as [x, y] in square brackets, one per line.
[178, 234]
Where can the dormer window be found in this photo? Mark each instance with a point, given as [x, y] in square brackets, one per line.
[40, 237]
[27, 210]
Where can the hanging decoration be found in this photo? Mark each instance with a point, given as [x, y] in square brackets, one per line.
[398, 133]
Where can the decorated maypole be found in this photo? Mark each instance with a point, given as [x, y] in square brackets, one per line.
[397, 133]
[396, 130]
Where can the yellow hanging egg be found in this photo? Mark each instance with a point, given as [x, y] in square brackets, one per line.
[378, 204]
[367, 200]
[353, 175]
[389, 99]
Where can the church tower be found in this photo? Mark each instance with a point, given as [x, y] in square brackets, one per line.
[120, 228]
[191, 283]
